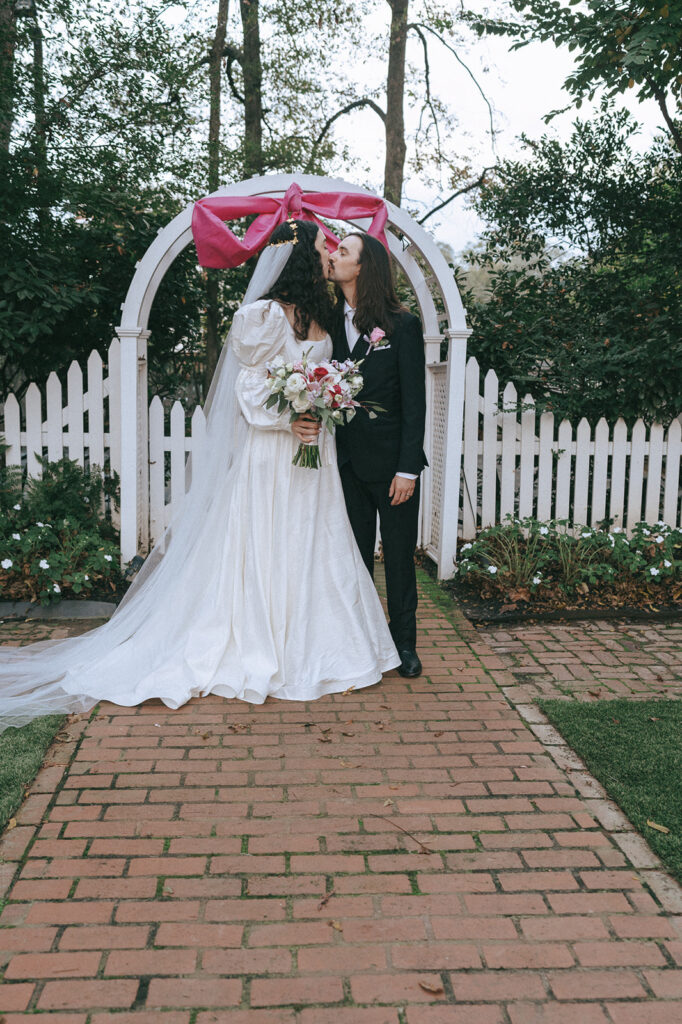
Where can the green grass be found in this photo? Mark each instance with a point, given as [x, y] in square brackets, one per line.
[21, 755]
[634, 748]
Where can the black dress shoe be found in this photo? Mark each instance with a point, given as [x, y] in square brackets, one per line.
[410, 665]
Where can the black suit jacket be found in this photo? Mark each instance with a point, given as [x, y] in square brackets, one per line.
[394, 378]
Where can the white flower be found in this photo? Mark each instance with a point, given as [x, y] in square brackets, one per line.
[86, 577]
[588, 534]
[618, 529]
[44, 564]
[646, 533]
[337, 416]
[7, 563]
[465, 547]
[16, 536]
[536, 580]
[108, 558]
[492, 569]
[57, 589]
[300, 403]
[16, 507]
[653, 571]
[666, 563]
[658, 539]
[40, 524]
[612, 540]
[544, 530]
[294, 385]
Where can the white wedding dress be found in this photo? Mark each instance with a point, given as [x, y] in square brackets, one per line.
[273, 598]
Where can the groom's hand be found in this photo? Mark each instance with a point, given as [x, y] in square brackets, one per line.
[401, 490]
[306, 428]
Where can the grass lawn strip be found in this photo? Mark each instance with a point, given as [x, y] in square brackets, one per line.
[634, 748]
[21, 755]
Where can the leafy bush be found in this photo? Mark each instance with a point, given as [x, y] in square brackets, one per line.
[55, 539]
[524, 558]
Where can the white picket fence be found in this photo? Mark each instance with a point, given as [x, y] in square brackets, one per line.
[514, 462]
[86, 426]
[521, 464]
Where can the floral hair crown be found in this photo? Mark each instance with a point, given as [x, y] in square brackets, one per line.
[288, 241]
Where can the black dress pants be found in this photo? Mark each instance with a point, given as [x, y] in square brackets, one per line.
[398, 524]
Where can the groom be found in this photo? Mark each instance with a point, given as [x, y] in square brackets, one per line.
[380, 459]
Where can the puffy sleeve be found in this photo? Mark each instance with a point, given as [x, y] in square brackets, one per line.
[259, 333]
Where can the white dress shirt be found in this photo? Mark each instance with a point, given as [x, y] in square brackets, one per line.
[352, 336]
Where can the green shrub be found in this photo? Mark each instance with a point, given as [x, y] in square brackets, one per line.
[526, 555]
[56, 540]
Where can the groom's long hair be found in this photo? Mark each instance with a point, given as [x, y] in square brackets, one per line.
[377, 303]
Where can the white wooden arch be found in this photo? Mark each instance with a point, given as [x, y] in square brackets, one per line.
[413, 249]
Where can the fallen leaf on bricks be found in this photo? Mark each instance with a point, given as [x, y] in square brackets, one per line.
[324, 739]
[438, 733]
[325, 900]
[348, 734]
[394, 787]
[12, 823]
[346, 692]
[594, 693]
[434, 990]
[336, 925]
[659, 828]
[166, 889]
[237, 727]
[388, 803]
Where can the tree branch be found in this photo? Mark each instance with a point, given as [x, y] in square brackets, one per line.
[659, 96]
[330, 121]
[460, 192]
[427, 82]
[427, 28]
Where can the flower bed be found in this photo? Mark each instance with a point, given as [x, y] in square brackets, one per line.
[55, 541]
[526, 564]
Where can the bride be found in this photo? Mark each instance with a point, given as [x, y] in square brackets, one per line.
[258, 588]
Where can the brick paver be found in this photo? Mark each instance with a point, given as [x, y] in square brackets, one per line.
[590, 659]
[413, 853]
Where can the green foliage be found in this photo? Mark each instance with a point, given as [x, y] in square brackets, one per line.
[547, 556]
[633, 748]
[55, 540]
[616, 47]
[577, 294]
[21, 754]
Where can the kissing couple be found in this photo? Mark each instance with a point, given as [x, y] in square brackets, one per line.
[262, 585]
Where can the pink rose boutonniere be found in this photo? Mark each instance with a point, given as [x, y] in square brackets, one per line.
[377, 339]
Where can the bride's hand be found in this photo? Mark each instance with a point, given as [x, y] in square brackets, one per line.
[306, 428]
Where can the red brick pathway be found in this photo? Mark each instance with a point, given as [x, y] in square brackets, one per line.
[590, 660]
[410, 854]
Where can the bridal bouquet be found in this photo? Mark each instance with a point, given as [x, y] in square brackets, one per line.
[325, 390]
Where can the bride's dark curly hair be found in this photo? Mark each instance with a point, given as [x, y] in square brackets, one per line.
[302, 281]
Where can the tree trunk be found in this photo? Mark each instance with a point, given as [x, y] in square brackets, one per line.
[395, 95]
[253, 89]
[8, 38]
[214, 73]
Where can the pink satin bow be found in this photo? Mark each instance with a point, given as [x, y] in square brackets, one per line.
[217, 246]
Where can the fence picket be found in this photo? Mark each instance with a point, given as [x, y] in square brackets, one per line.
[562, 506]
[95, 410]
[527, 458]
[113, 384]
[12, 431]
[508, 461]
[157, 461]
[55, 425]
[545, 466]
[470, 451]
[198, 438]
[636, 474]
[489, 460]
[582, 473]
[618, 457]
[177, 459]
[672, 474]
[653, 473]
[600, 467]
[34, 431]
[74, 412]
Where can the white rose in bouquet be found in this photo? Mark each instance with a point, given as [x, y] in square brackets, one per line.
[301, 403]
[294, 386]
